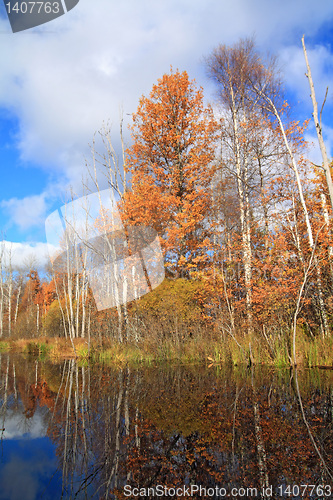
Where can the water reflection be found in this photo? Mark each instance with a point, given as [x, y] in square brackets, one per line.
[70, 431]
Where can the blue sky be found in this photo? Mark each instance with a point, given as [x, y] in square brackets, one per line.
[59, 82]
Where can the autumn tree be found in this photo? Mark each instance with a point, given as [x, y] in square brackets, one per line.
[171, 163]
[245, 136]
[28, 310]
[267, 100]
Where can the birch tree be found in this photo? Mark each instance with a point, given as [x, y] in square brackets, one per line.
[233, 69]
[106, 166]
[268, 103]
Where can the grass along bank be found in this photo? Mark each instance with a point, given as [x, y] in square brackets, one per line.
[243, 349]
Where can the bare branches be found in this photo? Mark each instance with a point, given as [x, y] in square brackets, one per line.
[318, 125]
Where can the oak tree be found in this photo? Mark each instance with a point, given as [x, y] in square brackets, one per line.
[171, 163]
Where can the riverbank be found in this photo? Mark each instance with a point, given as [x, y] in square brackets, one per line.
[314, 352]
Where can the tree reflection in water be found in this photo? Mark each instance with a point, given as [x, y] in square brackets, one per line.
[170, 426]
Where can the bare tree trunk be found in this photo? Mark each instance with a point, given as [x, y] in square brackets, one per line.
[261, 451]
[328, 224]
[77, 295]
[84, 411]
[60, 306]
[244, 219]
[127, 416]
[66, 459]
[313, 440]
[17, 302]
[37, 325]
[318, 125]
[70, 266]
[264, 204]
[113, 476]
[10, 290]
[117, 180]
[248, 253]
[70, 307]
[83, 300]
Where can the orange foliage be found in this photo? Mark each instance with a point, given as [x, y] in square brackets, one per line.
[171, 165]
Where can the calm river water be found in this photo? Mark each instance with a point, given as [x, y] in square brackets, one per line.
[78, 431]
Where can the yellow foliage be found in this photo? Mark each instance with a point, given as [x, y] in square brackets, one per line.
[175, 301]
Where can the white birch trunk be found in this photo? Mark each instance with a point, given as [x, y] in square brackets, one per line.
[304, 207]
[17, 302]
[10, 290]
[245, 229]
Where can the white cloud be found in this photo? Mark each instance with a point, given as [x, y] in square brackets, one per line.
[294, 69]
[64, 83]
[17, 426]
[24, 255]
[27, 212]
[63, 79]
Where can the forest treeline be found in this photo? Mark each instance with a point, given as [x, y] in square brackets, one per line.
[244, 220]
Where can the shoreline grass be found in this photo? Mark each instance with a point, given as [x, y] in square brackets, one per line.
[247, 350]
